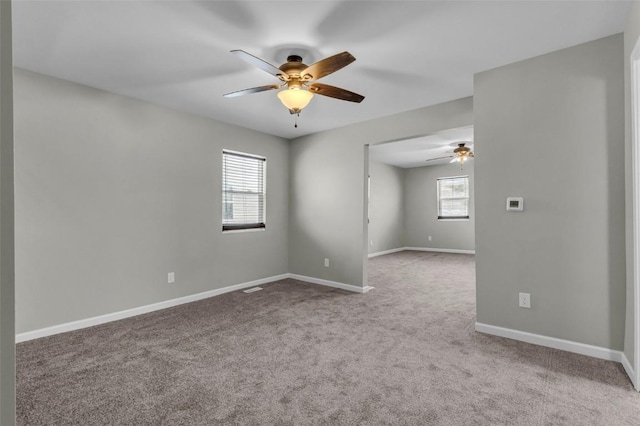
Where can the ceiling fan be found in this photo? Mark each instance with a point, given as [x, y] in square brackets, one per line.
[461, 154]
[299, 79]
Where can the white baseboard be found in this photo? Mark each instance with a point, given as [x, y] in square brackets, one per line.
[630, 371]
[551, 342]
[127, 313]
[382, 253]
[441, 250]
[102, 319]
[328, 283]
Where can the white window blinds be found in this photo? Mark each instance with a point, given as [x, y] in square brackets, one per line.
[243, 191]
[453, 197]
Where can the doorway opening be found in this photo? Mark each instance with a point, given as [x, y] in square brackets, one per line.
[405, 195]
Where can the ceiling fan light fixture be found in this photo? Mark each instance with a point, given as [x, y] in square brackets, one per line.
[295, 98]
[460, 158]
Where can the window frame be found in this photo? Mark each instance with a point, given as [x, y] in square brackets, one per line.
[439, 199]
[244, 227]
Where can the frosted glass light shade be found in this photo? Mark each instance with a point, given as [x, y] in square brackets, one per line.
[295, 99]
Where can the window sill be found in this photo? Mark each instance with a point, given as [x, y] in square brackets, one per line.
[454, 220]
[237, 231]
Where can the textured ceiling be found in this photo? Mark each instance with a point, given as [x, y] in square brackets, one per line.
[409, 54]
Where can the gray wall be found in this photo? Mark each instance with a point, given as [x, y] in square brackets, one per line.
[7, 318]
[631, 38]
[550, 129]
[113, 193]
[328, 194]
[421, 210]
[386, 207]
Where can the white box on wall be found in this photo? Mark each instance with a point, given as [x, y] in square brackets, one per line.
[515, 204]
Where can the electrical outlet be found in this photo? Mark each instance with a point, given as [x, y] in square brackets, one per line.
[429, 237]
[371, 243]
[524, 300]
[326, 263]
[171, 277]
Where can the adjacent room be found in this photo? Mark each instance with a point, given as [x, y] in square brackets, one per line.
[322, 212]
[420, 194]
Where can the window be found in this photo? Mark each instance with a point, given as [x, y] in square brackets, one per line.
[243, 191]
[453, 197]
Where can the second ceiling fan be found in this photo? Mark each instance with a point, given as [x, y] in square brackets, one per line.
[461, 154]
[299, 79]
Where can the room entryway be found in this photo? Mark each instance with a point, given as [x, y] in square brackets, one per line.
[420, 194]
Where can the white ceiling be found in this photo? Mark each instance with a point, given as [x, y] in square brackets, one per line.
[409, 54]
[422, 151]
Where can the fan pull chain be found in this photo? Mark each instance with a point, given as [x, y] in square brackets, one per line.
[296, 123]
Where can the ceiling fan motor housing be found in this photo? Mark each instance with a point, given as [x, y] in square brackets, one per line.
[293, 67]
[461, 149]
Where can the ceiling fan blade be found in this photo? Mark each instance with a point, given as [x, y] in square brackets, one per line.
[438, 158]
[259, 63]
[335, 92]
[252, 90]
[454, 159]
[327, 66]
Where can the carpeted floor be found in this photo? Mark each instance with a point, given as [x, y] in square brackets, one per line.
[405, 353]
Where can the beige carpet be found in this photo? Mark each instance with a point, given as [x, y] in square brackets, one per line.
[405, 353]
